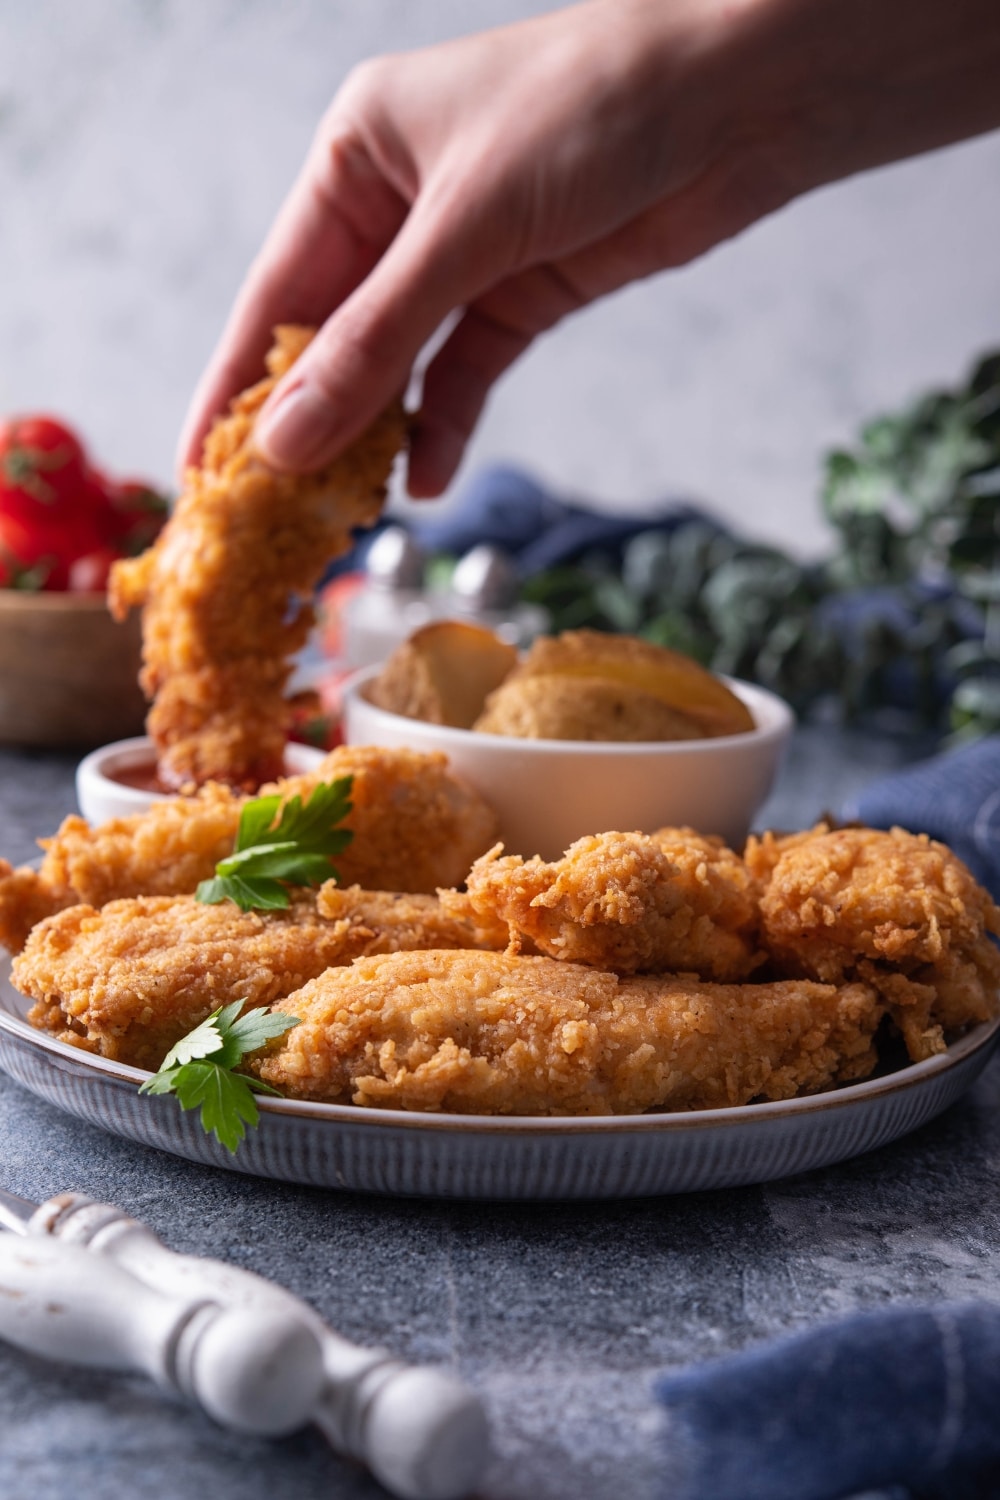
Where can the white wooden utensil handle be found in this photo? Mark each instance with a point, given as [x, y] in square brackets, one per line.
[420, 1431]
[251, 1369]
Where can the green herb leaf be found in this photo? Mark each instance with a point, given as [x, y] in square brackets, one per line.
[257, 895]
[225, 1099]
[198, 1069]
[297, 850]
[255, 819]
[257, 1027]
[201, 1042]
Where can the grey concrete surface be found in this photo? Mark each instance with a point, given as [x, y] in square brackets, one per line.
[558, 1314]
[146, 144]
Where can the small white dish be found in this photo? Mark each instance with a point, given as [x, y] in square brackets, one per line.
[546, 793]
[100, 796]
[343, 1146]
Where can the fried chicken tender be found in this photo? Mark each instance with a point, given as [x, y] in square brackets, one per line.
[163, 852]
[897, 910]
[416, 827]
[132, 979]
[477, 1032]
[763, 850]
[630, 902]
[225, 588]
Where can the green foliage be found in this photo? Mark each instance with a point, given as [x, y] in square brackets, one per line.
[915, 510]
[198, 1069]
[269, 856]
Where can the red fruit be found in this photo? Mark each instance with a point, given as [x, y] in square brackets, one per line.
[56, 511]
[89, 574]
[138, 514]
[43, 468]
[31, 555]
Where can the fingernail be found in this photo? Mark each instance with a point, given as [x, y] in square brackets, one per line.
[294, 433]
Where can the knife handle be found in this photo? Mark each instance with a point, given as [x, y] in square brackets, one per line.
[252, 1370]
[420, 1431]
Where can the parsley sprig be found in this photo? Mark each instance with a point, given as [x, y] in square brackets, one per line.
[269, 856]
[198, 1069]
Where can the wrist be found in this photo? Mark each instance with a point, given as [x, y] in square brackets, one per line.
[819, 89]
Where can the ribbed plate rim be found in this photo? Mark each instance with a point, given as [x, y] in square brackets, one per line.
[914, 1076]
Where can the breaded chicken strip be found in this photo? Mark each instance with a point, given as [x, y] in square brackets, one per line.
[225, 588]
[493, 1033]
[162, 852]
[130, 980]
[416, 826]
[631, 902]
[763, 850]
[896, 910]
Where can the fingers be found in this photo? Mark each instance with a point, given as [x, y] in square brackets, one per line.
[499, 326]
[362, 357]
[337, 220]
[493, 333]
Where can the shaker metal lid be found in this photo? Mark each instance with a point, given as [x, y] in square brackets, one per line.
[395, 560]
[484, 579]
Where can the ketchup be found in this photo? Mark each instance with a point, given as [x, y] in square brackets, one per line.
[142, 775]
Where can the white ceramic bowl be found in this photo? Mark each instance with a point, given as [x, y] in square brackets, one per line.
[549, 792]
[100, 797]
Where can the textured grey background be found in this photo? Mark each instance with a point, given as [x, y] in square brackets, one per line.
[145, 144]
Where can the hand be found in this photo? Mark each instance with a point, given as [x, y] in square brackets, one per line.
[511, 178]
[516, 175]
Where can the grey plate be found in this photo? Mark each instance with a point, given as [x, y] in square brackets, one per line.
[487, 1156]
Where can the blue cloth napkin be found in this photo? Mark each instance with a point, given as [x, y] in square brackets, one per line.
[905, 1400]
[508, 508]
[954, 797]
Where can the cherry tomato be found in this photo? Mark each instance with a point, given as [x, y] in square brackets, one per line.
[43, 469]
[59, 514]
[138, 514]
[89, 574]
[32, 555]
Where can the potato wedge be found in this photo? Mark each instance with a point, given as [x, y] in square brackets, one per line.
[590, 708]
[676, 680]
[443, 673]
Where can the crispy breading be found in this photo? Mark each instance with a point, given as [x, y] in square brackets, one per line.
[763, 850]
[412, 921]
[132, 979]
[629, 902]
[897, 910]
[225, 589]
[416, 826]
[162, 852]
[477, 1032]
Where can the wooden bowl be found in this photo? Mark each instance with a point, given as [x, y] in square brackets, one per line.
[68, 672]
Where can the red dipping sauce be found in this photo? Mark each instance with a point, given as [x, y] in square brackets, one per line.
[143, 776]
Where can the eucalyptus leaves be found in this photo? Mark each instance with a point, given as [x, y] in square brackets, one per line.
[906, 610]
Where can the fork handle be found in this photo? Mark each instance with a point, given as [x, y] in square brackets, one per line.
[421, 1432]
[250, 1369]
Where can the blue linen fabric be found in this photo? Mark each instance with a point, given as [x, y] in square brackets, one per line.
[506, 507]
[904, 1400]
[954, 797]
